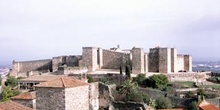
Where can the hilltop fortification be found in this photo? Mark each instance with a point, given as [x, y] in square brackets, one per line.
[162, 60]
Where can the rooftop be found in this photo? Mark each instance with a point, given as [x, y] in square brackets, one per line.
[62, 82]
[25, 96]
[40, 78]
[10, 105]
[204, 105]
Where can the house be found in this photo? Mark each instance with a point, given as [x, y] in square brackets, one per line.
[204, 105]
[11, 105]
[66, 93]
[27, 99]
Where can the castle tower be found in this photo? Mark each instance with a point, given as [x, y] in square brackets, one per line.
[174, 60]
[92, 58]
[153, 65]
[137, 60]
[165, 60]
[187, 63]
[160, 60]
[146, 62]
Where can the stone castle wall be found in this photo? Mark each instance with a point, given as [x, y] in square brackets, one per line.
[50, 98]
[153, 60]
[77, 98]
[146, 59]
[137, 60]
[187, 63]
[26, 66]
[113, 60]
[173, 60]
[164, 60]
[180, 62]
[90, 58]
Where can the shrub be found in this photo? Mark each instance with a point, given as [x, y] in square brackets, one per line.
[11, 81]
[7, 93]
[163, 103]
[157, 81]
[90, 79]
[140, 79]
[103, 80]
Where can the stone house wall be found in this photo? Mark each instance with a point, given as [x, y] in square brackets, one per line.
[50, 98]
[28, 103]
[77, 98]
[94, 96]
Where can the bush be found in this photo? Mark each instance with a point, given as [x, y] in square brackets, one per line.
[140, 79]
[7, 93]
[128, 71]
[157, 81]
[163, 103]
[189, 94]
[11, 81]
[103, 80]
[90, 79]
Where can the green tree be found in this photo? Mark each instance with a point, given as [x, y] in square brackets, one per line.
[163, 103]
[189, 94]
[128, 71]
[11, 81]
[120, 68]
[7, 93]
[140, 79]
[193, 106]
[201, 93]
[90, 79]
[157, 81]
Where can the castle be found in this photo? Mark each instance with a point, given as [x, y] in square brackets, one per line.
[158, 60]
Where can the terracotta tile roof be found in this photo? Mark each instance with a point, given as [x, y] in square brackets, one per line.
[204, 105]
[25, 96]
[40, 78]
[62, 82]
[10, 105]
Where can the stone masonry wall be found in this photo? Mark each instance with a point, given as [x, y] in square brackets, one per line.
[187, 63]
[153, 65]
[165, 60]
[137, 60]
[26, 66]
[180, 62]
[94, 96]
[173, 60]
[56, 62]
[145, 62]
[90, 58]
[112, 59]
[50, 98]
[77, 98]
[27, 103]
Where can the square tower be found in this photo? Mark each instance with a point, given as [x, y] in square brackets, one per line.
[137, 60]
[165, 60]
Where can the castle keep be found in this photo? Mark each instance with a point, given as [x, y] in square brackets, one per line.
[161, 60]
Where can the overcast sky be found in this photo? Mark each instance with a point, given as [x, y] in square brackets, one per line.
[41, 29]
